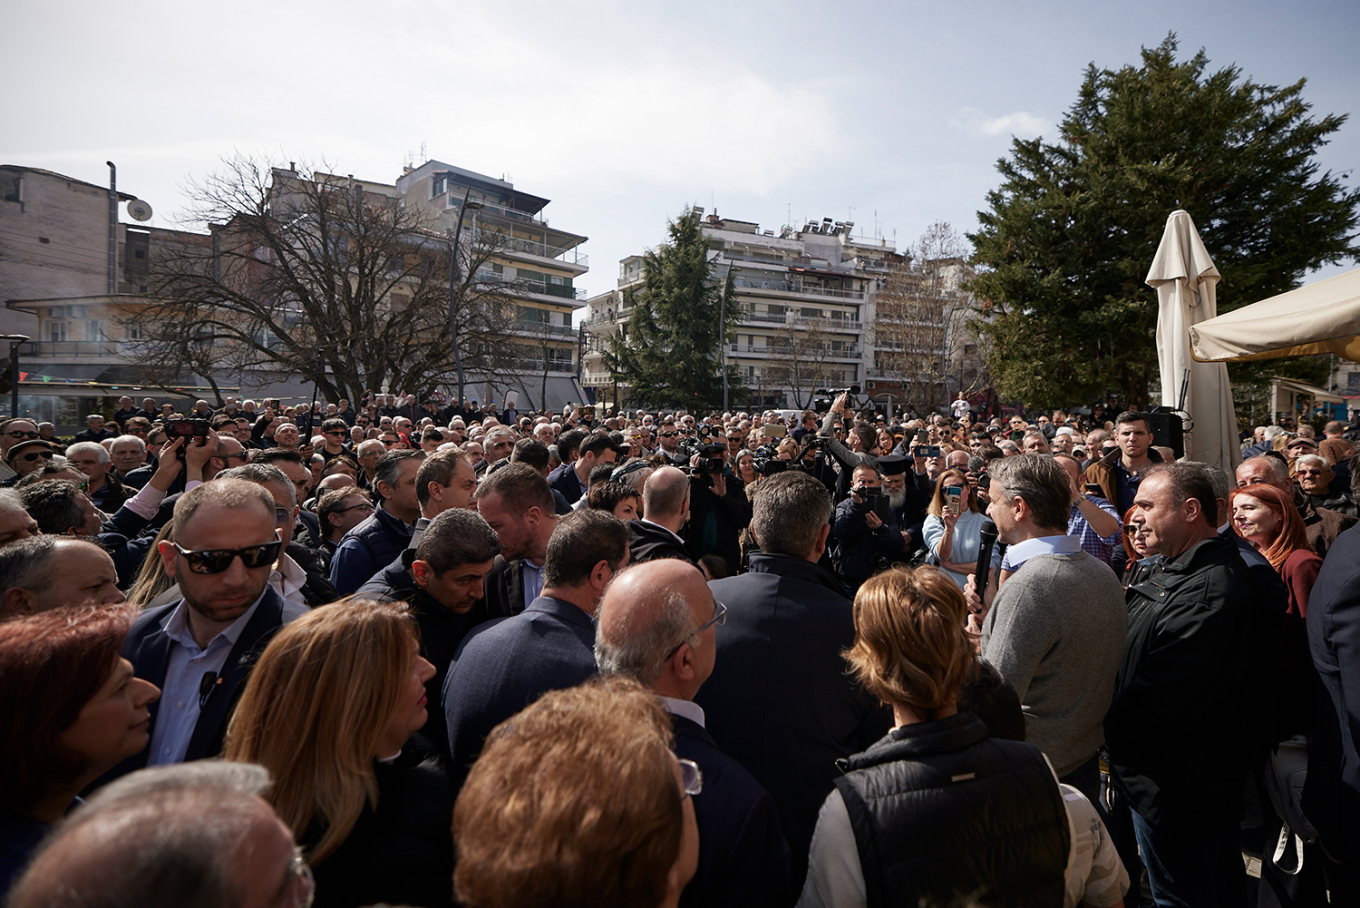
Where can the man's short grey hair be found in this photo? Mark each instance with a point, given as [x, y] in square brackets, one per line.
[129, 439]
[10, 500]
[1041, 482]
[1314, 460]
[388, 468]
[89, 447]
[1276, 467]
[789, 511]
[161, 837]
[260, 473]
[372, 444]
[643, 657]
[28, 564]
[1218, 478]
[1272, 431]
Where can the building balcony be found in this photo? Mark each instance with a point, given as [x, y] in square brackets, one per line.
[536, 365]
[780, 350]
[541, 328]
[831, 324]
[535, 250]
[797, 288]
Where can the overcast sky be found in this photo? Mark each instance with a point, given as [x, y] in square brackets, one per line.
[891, 115]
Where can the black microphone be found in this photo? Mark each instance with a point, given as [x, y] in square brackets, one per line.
[984, 561]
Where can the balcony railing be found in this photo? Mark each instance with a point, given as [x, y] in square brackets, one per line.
[536, 365]
[781, 350]
[534, 327]
[832, 324]
[543, 250]
[796, 287]
[76, 348]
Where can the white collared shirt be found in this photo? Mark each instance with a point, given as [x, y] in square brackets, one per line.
[1021, 552]
[177, 714]
[685, 708]
[287, 578]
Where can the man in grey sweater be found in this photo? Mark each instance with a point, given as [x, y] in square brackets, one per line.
[1056, 628]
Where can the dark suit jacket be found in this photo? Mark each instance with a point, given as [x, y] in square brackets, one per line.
[148, 649]
[743, 858]
[503, 594]
[504, 666]
[779, 701]
[648, 543]
[565, 480]
[1331, 797]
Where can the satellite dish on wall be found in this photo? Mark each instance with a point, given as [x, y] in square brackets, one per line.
[139, 210]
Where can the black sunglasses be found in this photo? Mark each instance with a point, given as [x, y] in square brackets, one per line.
[29, 458]
[19, 433]
[215, 561]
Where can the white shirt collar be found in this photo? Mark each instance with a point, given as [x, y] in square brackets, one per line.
[288, 578]
[686, 708]
[1021, 552]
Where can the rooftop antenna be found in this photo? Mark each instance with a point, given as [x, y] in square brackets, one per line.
[422, 151]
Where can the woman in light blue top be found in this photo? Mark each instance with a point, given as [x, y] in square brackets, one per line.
[953, 531]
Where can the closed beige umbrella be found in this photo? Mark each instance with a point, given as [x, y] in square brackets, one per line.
[1320, 318]
[1185, 278]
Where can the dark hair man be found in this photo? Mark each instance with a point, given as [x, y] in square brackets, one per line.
[339, 511]
[787, 622]
[1117, 473]
[200, 649]
[517, 501]
[336, 433]
[380, 538]
[658, 625]
[549, 646]
[1189, 686]
[571, 479]
[1057, 630]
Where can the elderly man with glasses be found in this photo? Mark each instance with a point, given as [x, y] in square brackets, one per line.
[658, 624]
[199, 650]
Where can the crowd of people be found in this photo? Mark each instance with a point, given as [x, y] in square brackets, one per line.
[434, 654]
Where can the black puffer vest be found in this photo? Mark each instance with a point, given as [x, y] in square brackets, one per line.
[942, 811]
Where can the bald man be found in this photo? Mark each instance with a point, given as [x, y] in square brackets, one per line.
[658, 624]
[665, 502]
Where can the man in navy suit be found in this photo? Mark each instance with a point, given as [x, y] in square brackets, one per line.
[200, 649]
[503, 666]
[658, 625]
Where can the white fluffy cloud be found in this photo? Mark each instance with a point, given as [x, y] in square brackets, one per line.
[1021, 124]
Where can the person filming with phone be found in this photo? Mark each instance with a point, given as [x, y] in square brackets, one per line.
[867, 539]
[953, 530]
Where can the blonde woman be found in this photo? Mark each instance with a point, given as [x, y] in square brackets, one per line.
[953, 531]
[330, 710]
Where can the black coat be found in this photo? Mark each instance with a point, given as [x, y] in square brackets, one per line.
[647, 542]
[779, 701]
[400, 853]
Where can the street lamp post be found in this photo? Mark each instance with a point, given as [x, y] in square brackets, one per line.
[453, 290]
[14, 341]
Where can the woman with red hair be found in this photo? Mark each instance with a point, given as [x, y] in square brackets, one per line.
[71, 710]
[1263, 516]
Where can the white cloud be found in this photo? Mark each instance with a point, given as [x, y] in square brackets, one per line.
[1021, 124]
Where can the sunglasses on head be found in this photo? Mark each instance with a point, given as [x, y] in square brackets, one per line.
[215, 561]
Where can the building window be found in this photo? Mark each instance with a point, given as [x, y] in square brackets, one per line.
[56, 332]
[1353, 381]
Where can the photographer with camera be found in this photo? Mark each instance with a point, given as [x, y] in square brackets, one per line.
[866, 540]
[719, 508]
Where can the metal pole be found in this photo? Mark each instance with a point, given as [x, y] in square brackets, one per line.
[113, 228]
[453, 294]
[722, 332]
[14, 378]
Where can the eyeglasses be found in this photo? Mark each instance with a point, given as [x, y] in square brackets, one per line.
[719, 618]
[244, 455]
[29, 458]
[365, 505]
[691, 777]
[299, 870]
[215, 561]
[667, 434]
[282, 515]
[19, 433]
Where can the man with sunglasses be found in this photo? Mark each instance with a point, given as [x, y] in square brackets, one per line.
[13, 431]
[658, 624]
[668, 438]
[200, 649]
[27, 457]
[335, 432]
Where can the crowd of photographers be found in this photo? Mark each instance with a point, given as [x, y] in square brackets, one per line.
[363, 600]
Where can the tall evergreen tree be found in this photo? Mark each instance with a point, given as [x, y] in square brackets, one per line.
[1069, 235]
[669, 352]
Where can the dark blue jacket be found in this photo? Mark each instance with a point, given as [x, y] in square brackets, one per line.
[743, 858]
[367, 549]
[504, 666]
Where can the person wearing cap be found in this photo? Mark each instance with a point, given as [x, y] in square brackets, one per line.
[26, 457]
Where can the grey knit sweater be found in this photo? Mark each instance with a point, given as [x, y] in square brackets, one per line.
[1056, 632]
